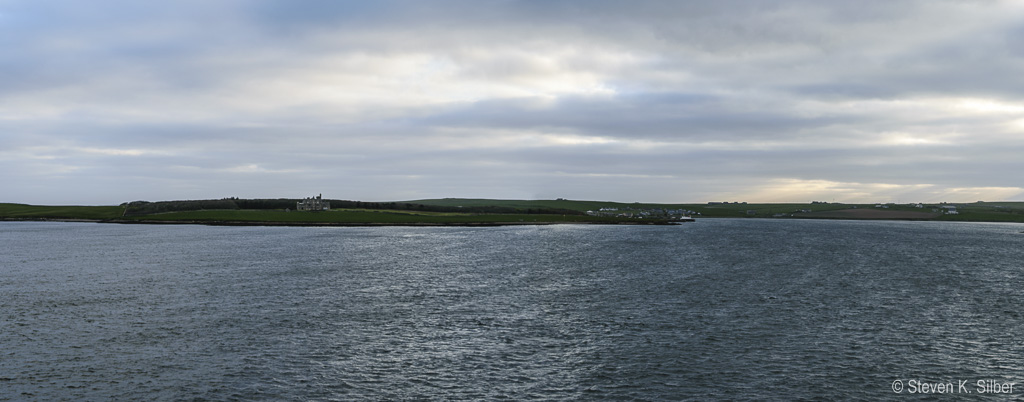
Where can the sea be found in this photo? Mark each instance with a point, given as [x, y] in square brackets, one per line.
[718, 309]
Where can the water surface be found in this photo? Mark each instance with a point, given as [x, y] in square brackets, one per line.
[718, 309]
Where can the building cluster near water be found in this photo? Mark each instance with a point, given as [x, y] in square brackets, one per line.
[943, 209]
[644, 213]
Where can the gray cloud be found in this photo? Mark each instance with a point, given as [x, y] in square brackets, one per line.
[646, 100]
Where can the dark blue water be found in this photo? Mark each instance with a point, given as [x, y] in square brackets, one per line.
[718, 309]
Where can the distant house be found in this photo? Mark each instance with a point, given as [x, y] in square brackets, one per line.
[313, 204]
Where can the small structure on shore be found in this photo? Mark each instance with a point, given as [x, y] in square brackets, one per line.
[313, 204]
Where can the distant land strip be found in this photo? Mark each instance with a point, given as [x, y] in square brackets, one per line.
[871, 213]
[489, 212]
[342, 224]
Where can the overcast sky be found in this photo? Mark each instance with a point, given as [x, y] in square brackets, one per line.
[103, 102]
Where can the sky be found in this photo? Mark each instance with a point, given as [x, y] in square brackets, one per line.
[103, 102]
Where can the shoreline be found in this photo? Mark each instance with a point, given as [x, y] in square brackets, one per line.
[461, 224]
[327, 224]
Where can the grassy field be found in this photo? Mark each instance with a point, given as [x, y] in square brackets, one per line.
[525, 204]
[759, 210]
[22, 211]
[973, 212]
[705, 210]
[976, 212]
[365, 217]
[336, 216]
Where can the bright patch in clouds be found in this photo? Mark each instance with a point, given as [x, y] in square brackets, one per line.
[783, 190]
[120, 152]
[989, 106]
[984, 193]
[911, 140]
[254, 168]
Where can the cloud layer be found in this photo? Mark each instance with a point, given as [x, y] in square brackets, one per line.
[662, 101]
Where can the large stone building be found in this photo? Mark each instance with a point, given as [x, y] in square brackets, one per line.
[313, 204]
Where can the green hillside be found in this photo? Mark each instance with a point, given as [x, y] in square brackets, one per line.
[23, 211]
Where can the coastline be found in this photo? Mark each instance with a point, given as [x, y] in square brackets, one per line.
[330, 224]
[451, 224]
[479, 212]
